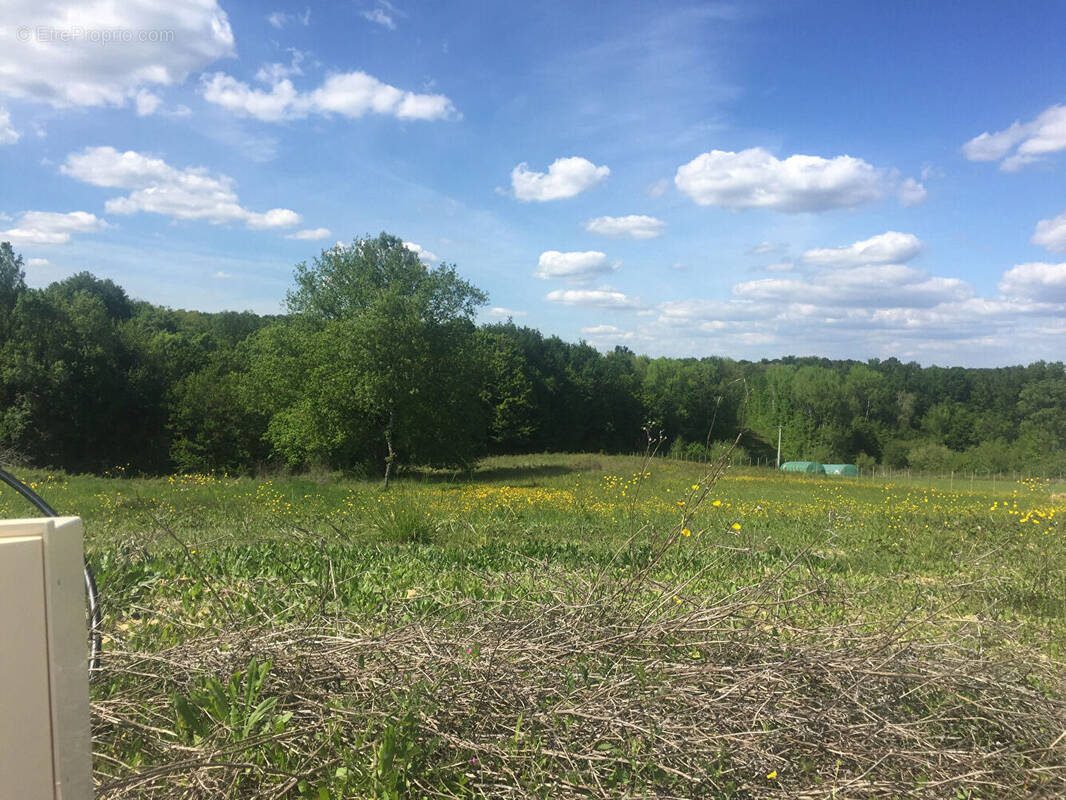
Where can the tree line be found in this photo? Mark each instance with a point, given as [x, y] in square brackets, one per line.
[378, 365]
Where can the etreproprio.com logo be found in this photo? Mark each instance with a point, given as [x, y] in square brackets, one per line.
[46, 34]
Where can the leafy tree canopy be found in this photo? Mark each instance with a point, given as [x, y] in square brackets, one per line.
[382, 364]
[346, 281]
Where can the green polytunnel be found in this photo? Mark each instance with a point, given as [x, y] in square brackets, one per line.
[803, 466]
[849, 470]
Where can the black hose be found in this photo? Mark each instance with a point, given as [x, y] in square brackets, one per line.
[96, 618]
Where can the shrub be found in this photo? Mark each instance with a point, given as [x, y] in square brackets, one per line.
[400, 517]
[929, 457]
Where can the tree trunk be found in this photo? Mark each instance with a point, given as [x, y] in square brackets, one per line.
[390, 457]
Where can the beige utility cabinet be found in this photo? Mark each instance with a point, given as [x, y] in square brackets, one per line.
[45, 741]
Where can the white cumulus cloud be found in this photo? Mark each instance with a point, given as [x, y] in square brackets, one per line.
[754, 178]
[146, 103]
[274, 218]
[886, 286]
[911, 193]
[890, 247]
[350, 94]
[1051, 234]
[102, 53]
[575, 266]
[1023, 142]
[158, 188]
[501, 312]
[566, 177]
[593, 298]
[279, 19]
[275, 71]
[658, 188]
[872, 311]
[634, 226]
[1035, 281]
[310, 234]
[383, 14]
[423, 254]
[50, 227]
[8, 134]
[684, 312]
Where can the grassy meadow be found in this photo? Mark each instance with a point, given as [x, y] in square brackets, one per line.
[575, 626]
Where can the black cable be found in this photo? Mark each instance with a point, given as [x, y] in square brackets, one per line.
[28, 493]
[96, 618]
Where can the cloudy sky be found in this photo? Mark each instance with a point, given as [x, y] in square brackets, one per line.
[751, 179]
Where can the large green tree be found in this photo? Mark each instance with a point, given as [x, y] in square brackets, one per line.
[377, 363]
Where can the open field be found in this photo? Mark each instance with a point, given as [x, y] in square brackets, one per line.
[558, 625]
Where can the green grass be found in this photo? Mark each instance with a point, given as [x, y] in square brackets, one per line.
[177, 558]
[433, 532]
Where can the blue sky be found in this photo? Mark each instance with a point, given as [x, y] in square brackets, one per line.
[752, 179]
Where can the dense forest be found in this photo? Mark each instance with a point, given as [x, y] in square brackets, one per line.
[378, 365]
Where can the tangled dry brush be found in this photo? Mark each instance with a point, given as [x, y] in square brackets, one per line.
[601, 692]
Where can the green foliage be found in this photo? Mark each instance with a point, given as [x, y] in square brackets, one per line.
[12, 284]
[404, 518]
[379, 358]
[931, 457]
[895, 454]
[211, 426]
[866, 463]
[344, 282]
[1042, 405]
[69, 394]
[379, 364]
[117, 304]
[233, 711]
[507, 391]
